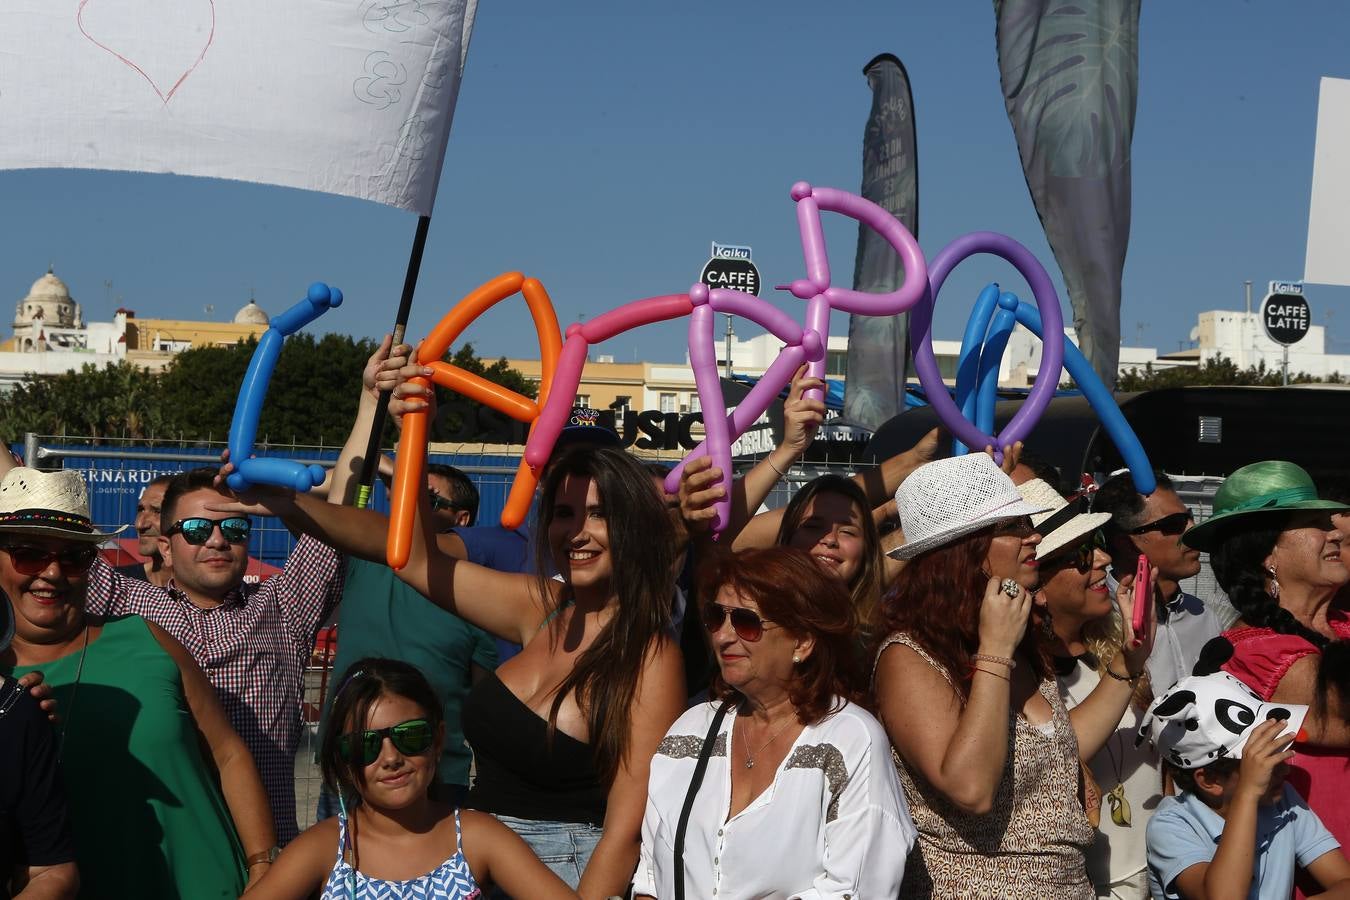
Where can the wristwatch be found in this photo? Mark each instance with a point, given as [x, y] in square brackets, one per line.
[268, 856]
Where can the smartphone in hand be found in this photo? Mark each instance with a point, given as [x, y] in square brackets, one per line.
[1143, 596]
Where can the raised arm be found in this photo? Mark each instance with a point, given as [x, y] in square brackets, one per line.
[1097, 717]
[239, 780]
[960, 750]
[344, 477]
[879, 484]
[658, 703]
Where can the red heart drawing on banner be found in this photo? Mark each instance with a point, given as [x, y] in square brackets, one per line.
[191, 49]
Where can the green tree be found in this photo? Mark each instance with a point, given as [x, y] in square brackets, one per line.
[311, 397]
[460, 419]
[1219, 370]
[114, 401]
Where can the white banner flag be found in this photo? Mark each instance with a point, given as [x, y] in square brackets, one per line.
[351, 98]
[1328, 258]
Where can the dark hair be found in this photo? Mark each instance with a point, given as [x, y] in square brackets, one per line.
[936, 600]
[1185, 778]
[201, 478]
[364, 682]
[604, 678]
[463, 494]
[865, 585]
[792, 591]
[161, 479]
[1119, 497]
[1042, 469]
[1336, 489]
[1237, 560]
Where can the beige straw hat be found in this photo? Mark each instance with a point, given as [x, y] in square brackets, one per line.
[1064, 522]
[54, 504]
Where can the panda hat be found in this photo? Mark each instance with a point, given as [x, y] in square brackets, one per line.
[1207, 717]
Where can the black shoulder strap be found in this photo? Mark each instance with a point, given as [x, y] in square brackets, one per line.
[694, 784]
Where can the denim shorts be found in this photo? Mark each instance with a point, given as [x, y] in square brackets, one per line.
[565, 847]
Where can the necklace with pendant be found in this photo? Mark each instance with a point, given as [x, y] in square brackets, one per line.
[749, 757]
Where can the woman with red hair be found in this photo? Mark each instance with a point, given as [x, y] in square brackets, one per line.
[784, 741]
[988, 755]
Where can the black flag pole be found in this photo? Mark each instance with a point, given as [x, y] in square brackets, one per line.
[370, 464]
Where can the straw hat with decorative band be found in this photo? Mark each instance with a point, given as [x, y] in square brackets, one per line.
[950, 498]
[1065, 522]
[1257, 490]
[52, 504]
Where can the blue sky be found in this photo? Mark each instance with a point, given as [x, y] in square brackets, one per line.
[601, 151]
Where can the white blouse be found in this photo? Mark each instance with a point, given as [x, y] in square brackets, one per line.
[833, 824]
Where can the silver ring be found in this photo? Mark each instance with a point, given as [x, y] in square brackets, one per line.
[1011, 588]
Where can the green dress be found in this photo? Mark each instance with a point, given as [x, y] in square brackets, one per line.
[145, 807]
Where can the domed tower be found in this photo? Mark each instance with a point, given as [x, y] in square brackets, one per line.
[47, 306]
[251, 314]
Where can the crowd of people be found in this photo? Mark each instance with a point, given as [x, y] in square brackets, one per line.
[928, 680]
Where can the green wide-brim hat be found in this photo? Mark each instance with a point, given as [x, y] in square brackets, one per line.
[1258, 490]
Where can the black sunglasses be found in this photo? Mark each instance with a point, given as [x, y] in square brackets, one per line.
[35, 560]
[1172, 525]
[745, 622]
[438, 502]
[1082, 556]
[411, 738]
[197, 530]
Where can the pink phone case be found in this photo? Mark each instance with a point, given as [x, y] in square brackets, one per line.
[1142, 591]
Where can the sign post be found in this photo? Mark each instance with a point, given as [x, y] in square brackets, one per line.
[730, 267]
[1286, 317]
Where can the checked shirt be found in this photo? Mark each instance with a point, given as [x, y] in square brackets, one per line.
[253, 648]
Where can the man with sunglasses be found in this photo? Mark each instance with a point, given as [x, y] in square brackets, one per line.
[1153, 526]
[251, 639]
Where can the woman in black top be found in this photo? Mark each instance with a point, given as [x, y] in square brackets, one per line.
[563, 733]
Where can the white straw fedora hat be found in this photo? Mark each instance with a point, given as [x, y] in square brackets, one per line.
[1064, 523]
[53, 504]
[950, 498]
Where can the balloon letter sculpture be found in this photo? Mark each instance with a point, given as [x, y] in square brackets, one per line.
[803, 343]
[253, 390]
[979, 390]
[968, 432]
[410, 463]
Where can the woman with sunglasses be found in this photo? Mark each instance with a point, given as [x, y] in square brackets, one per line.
[798, 797]
[1083, 633]
[150, 814]
[1276, 552]
[986, 750]
[391, 839]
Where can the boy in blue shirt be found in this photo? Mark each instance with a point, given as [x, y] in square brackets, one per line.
[1235, 829]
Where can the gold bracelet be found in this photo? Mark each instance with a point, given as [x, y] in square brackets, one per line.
[781, 474]
[1000, 660]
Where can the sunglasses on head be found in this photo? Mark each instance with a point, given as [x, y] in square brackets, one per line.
[745, 622]
[35, 560]
[197, 530]
[1081, 557]
[1172, 525]
[411, 738]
